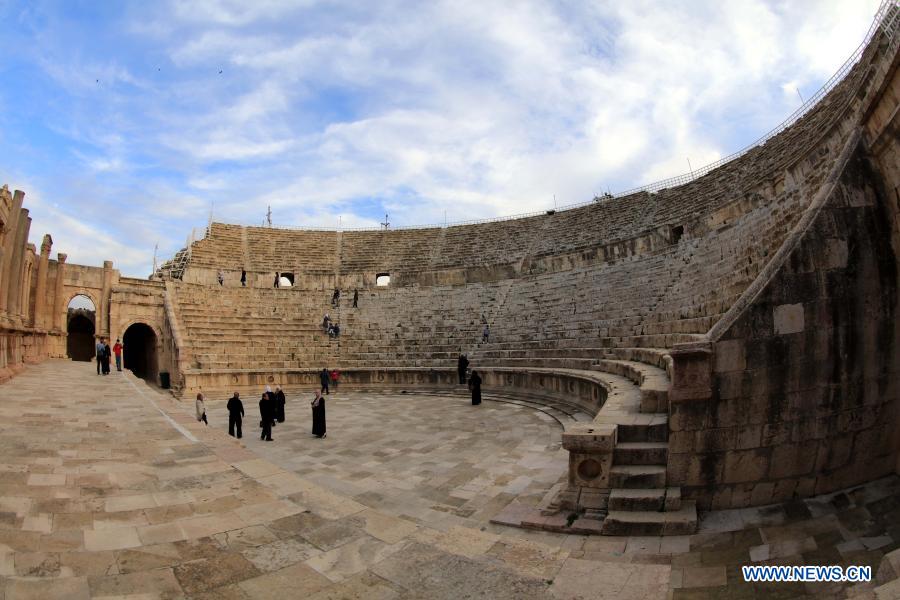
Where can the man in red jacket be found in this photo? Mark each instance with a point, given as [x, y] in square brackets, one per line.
[117, 350]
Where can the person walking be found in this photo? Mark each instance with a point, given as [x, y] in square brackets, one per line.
[235, 415]
[355, 298]
[335, 375]
[326, 322]
[200, 407]
[485, 333]
[318, 415]
[475, 386]
[324, 378]
[462, 366]
[117, 350]
[221, 277]
[107, 353]
[280, 401]
[265, 417]
[243, 278]
[336, 298]
[98, 353]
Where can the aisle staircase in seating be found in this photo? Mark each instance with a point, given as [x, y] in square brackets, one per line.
[641, 502]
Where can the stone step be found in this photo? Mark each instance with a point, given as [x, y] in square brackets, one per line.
[650, 499]
[655, 430]
[679, 522]
[641, 453]
[637, 476]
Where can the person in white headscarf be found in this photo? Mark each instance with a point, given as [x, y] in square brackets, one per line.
[201, 409]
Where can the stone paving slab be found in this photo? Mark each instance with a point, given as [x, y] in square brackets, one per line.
[101, 497]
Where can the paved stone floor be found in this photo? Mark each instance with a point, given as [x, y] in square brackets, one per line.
[434, 460]
[110, 489]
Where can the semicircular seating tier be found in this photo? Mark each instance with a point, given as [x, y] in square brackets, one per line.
[624, 309]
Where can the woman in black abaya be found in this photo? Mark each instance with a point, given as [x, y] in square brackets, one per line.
[318, 413]
[475, 386]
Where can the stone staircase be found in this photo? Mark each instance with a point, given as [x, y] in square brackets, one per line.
[640, 501]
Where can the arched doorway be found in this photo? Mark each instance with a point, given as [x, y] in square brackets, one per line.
[139, 353]
[81, 319]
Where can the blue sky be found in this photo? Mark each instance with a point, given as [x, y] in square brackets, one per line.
[125, 122]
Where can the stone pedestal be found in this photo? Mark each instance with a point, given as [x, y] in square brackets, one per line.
[590, 447]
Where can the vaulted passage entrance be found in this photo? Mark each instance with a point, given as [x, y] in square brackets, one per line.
[139, 354]
[80, 327]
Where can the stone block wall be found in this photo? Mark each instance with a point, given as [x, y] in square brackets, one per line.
[798, 395]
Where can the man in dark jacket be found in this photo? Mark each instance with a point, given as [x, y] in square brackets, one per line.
[324, 378]
[235, 415]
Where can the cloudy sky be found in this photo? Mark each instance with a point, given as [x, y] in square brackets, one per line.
[126, 122]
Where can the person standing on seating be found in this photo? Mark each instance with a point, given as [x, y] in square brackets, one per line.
[235, 415]
[200, 407]
[117, 350]
[243, 278]
[355, 298]
[279, 404]
[462, 366]
[318, 415]
[324, 379]
[99, 349]
[265, 417]
[326, 322]
[336, 298]
[485, 333]
[277, 279]
[221, 277]
[475, 386]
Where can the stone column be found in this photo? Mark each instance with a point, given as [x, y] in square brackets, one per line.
[41, 319]
[59, 306]
[9, 250]
[17, 262]
[103, 313]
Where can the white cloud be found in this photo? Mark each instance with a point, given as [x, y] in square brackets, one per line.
[476, 109]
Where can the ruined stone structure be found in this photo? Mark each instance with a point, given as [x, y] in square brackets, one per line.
[725, 343]
[35, 292]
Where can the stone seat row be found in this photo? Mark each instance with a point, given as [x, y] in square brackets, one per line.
[506, 241]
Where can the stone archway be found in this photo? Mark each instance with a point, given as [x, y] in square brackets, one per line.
[81, 326]
[140, 351]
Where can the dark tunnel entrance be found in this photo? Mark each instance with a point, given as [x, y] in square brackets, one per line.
[80, 327]
[139, 353]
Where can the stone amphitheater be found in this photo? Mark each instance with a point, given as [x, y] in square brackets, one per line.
[679, 381]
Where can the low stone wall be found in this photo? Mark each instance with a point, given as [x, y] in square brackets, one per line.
[588, 394]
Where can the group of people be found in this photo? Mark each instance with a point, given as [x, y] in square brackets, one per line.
[331, 328]
[327, 378]
[220, 277]
[271, 409]
[104, 352]
[336, 298]
[474, 380]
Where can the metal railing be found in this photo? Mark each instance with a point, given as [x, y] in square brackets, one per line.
[887, 19]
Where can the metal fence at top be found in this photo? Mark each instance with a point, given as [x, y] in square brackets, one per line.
[887, 19]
